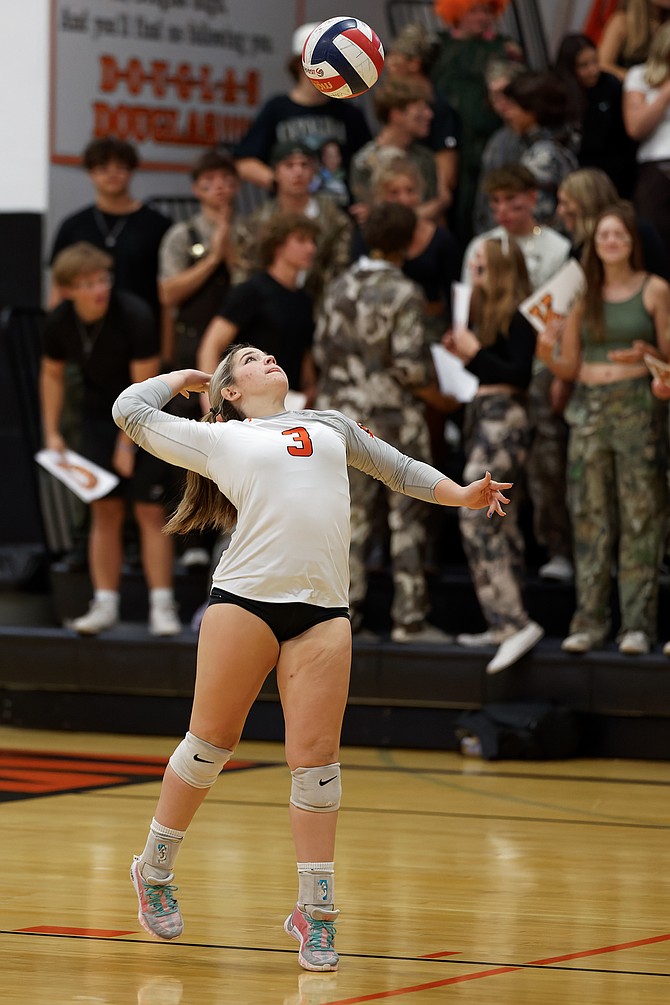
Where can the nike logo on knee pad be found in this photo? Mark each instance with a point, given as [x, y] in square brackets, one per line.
[325, 781]
[201, 759]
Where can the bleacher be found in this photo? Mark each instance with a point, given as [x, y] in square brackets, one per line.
[401, 695]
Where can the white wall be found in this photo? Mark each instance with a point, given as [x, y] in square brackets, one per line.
[24, 96]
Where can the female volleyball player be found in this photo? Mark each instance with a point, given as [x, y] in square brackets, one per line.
[279, 598]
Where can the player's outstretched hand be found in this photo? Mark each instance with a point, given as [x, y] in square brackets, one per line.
[486, 494]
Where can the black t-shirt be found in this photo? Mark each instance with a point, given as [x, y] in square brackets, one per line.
[445, 128]
[136, 238]
[510, 359]
[282, 119]
[104, 350]
[273, 318]
[605, 144]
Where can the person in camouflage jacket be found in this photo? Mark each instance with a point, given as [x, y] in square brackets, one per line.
[376, 367]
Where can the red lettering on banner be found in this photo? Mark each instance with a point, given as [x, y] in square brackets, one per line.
[188, 82]
[170, 126]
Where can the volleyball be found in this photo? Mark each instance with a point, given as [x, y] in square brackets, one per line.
[343, 57]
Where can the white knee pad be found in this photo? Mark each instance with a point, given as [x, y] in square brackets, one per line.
[318, 790]
[197, 762]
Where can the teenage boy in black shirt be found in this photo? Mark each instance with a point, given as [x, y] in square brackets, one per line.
[112, 338]
[270, 307]
[117, 223]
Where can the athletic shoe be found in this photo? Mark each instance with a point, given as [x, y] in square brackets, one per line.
[580, 642]
[516, 646]
[557, 567]
[480, 639]
[634, 644]
[193, 557]
[666, 649]
[163, 619]
[315, 932]
[102, 614]
[159, 911]
[424, 633]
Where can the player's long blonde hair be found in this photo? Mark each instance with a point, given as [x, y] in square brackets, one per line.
[495, 303]
[203, 505]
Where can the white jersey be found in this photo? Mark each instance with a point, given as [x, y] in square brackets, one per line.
[286, 475]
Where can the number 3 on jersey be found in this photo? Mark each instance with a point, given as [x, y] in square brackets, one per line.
[300, 436]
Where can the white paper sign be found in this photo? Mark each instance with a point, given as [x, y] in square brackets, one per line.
[555, 298]
[461, 294]
[452, 376]
[83, 477]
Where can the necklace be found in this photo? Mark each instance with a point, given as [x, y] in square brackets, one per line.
[109, 234]
[88, 334]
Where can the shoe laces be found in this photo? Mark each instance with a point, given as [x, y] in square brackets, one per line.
[321, 935]
[161, 899]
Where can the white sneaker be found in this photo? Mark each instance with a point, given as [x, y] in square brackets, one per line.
[101, 614]
[194, 556]
[479, 640]
[516, 646]
[634, 644]
[426, 634]
[163, 619]
[580, 642]
[557, 567]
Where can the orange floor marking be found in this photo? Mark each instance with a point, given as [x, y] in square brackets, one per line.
[437, 956]
[477, 975]
[85, 933]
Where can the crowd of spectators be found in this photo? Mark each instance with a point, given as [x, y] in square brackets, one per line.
[471, 166]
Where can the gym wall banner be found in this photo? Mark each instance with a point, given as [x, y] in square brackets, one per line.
[169, 76]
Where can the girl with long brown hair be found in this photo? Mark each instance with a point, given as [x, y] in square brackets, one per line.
[499, 350]
[616, 451]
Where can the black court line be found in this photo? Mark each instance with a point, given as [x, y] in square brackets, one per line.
[509, 818]
[531, 776]
[452, 961]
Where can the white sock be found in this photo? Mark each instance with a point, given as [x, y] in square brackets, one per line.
[160, 853]
[110, 597]
[162, 596]
[316, 885]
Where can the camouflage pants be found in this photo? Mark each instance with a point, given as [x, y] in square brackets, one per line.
[546, 469]
[406, 522]
[616, 495]
[496, 437]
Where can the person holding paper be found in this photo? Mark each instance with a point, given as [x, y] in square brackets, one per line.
[499, 351]
[112, 338]
[512, 194]
[617, 446]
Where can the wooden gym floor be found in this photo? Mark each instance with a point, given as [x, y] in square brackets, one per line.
[458, 881]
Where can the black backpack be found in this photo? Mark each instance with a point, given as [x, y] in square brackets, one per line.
[520, 731]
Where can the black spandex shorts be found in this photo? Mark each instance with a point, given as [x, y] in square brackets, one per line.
[152, 481]
[285, 620]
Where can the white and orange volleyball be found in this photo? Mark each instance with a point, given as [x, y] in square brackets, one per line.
[343, 57]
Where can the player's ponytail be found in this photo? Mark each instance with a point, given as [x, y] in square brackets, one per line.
[203, 506]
